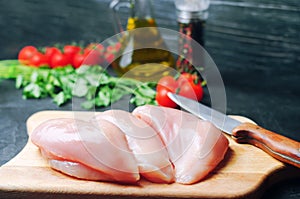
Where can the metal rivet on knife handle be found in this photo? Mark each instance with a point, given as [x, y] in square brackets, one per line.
[278, 146]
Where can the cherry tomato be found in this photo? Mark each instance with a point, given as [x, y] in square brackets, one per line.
[70, 51]
[198, 91]
[118, 46]
[94, 46]
[109, 57]
[49, 52]
[191, 90]
[114, 48]
[94, 54]
[164, 85]
[186, 77]
[26, 53]
[38, 59]
[163, 99]
[110, 49]
[59, 60]
[186, 85]
[92, 57]
[78, 60]
[167, 82]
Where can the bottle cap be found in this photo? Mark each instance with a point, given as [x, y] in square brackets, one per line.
[191, 10]
[187, 17]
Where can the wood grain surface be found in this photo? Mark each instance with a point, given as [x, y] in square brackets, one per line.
[245, 172]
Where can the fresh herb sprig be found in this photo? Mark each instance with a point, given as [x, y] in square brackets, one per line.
[92, 83]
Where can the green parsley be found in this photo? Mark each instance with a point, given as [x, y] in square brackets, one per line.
[92, 83]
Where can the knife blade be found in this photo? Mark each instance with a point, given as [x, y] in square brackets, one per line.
[278, 146]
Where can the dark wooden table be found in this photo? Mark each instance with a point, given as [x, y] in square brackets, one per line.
[255, 44]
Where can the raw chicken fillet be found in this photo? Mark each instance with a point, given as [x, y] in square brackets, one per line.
[145, 143]
[195, 146]
[82, 150]
[161, 145]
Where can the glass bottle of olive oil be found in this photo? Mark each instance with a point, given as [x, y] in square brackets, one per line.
[144, 55]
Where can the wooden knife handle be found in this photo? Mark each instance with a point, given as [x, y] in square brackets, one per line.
[278, 146]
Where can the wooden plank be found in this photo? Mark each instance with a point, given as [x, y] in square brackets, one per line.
[242, 173]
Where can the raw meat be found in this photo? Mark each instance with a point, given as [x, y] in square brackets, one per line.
[162, 145]
[146, 145]
[194, 146]
[77, 148]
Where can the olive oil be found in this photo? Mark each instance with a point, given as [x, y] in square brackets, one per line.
[144, 55]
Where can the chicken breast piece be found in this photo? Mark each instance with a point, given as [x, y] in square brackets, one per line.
[77, 148]
[195, 146]
[146, 145]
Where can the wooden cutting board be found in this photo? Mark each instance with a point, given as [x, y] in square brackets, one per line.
[245, 172]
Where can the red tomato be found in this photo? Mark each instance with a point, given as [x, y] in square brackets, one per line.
[94, 46]
[26, 53]
[110, 49]
[164, 85]
[198, 90]
[185, 86]
[114, 48]
[92, 57]
[94, 54]
[118, 46]
[167, 82]
[186, 77]
[70, 51]
[163, 99]
[49, 52]
[78, 60]
[38, 59]
[191, 90]
[59, 60]
[109, 57]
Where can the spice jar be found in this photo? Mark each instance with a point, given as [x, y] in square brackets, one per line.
[191, 17]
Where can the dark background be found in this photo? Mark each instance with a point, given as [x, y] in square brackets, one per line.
[254, 43]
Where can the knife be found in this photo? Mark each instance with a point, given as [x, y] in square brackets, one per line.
[278, 146]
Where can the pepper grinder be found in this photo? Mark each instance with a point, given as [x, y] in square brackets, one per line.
[191, 17]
